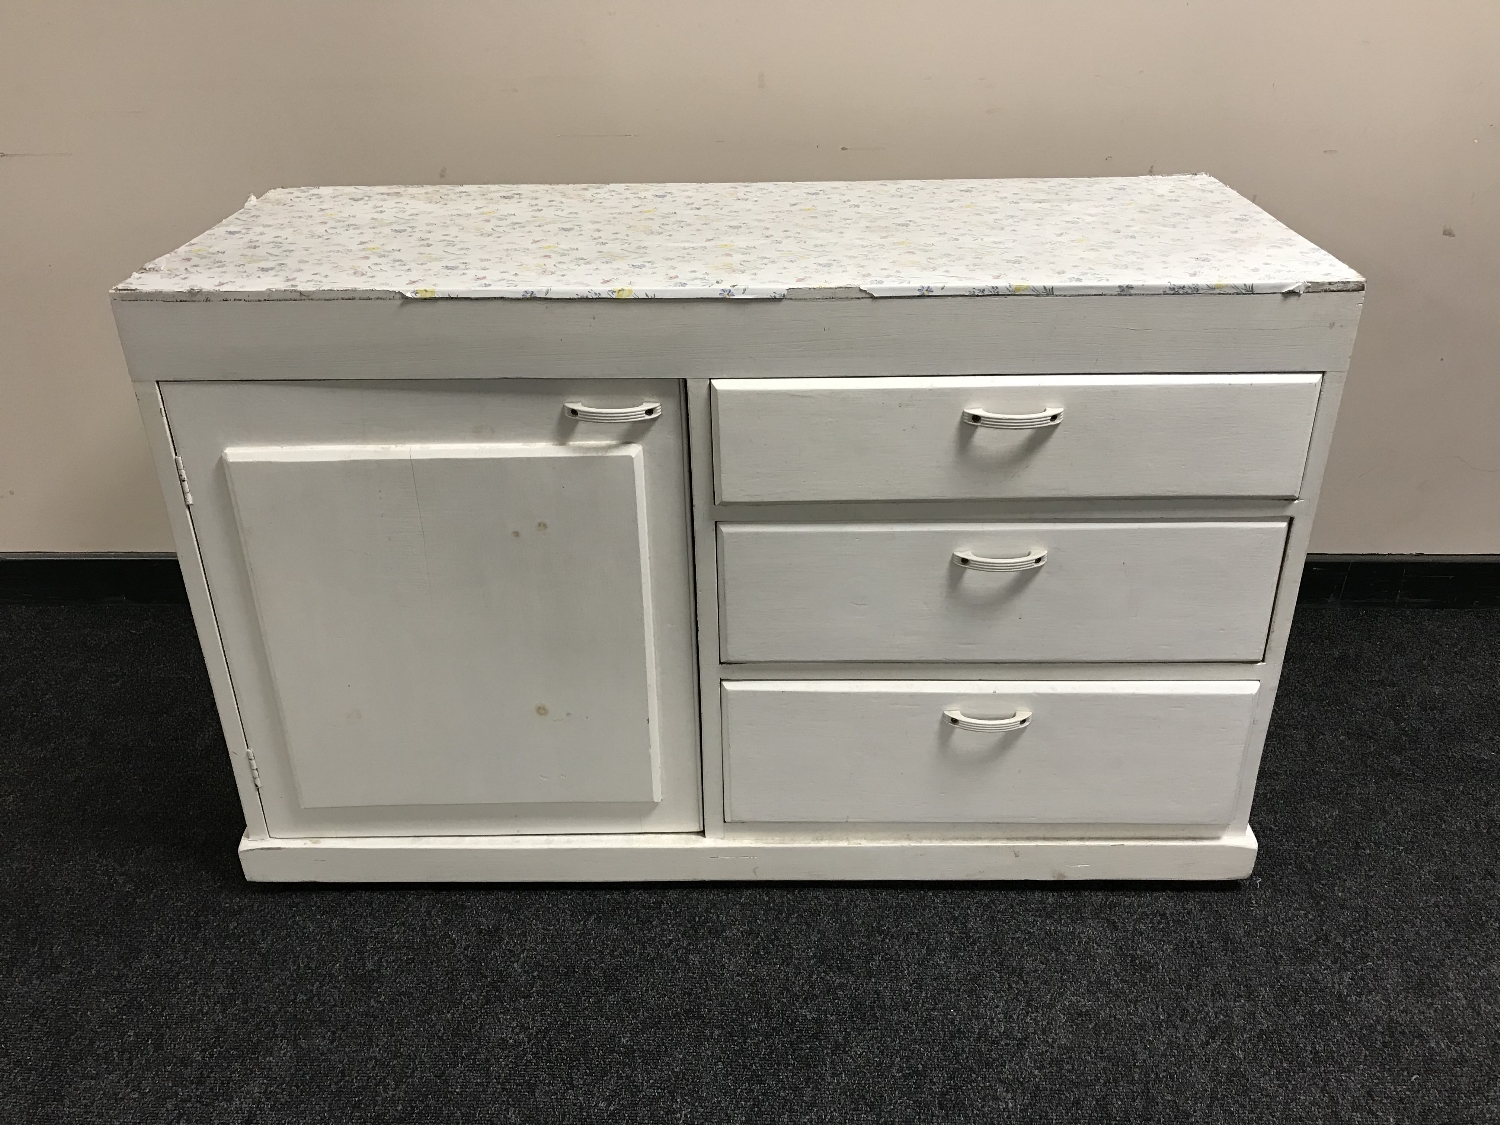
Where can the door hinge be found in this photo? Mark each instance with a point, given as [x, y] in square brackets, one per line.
[187, 496]
[254, 769]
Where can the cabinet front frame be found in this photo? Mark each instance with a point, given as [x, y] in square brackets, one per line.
[696, 341]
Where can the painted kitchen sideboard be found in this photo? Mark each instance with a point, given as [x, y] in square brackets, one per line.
[886, 530]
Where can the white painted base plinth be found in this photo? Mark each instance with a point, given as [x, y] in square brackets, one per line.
[672, 857]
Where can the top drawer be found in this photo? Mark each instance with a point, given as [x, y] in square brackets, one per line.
[907, 438]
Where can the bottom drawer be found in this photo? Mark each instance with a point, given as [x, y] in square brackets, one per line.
[1094, 751]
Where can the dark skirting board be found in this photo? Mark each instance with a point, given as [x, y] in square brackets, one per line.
[37, 579]
[1430, 581]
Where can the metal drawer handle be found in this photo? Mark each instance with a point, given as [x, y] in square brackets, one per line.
[642, 413]
[956, 718]
[972, 561]
[977, 417]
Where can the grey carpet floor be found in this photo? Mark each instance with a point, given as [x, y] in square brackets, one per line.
[1354, 978]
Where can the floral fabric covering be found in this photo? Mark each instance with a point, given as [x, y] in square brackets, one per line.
[884, 238]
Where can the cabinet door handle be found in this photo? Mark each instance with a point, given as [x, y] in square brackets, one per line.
[1029, 561]
[956, 718]
[585, 413]
[977, 417]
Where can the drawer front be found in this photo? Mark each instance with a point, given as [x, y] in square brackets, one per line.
[1100, 752]
[1147, 591]
[1117, 436]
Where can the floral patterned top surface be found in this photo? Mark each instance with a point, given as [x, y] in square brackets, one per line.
[883, 238]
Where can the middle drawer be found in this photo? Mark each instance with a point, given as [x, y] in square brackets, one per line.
[980, 592]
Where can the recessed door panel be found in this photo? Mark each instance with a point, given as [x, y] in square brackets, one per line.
[454, 624]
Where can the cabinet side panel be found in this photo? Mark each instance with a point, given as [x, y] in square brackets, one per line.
[1334, 378]
[159, 438]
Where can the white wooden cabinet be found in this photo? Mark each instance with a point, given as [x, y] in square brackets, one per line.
[899, 536]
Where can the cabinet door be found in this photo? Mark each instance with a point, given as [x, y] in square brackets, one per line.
[450, 608]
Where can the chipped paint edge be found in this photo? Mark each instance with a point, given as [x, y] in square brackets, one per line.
[1258, 289]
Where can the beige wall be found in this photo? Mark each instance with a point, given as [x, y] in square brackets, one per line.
[1372, 127]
